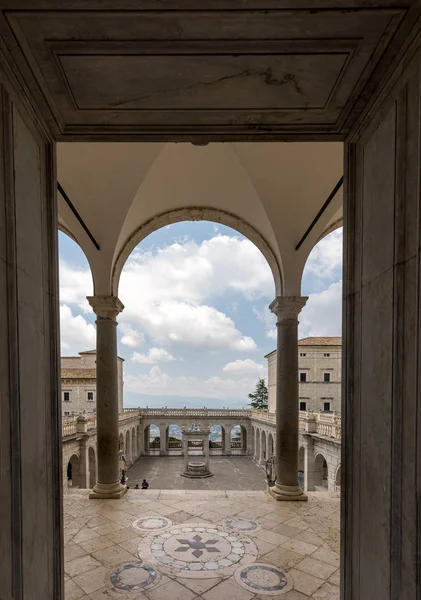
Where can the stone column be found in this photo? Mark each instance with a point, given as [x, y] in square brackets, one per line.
[108, 485]
[286, 309]
[227, 440]
[309, 467]
[82, 429]
[186, 452]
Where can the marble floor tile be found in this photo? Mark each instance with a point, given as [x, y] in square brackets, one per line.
[315, 567]
[199, 586]
[305, 583]
[227, 590]
[113, 556]
[98, 543]
[327, 592]
[335, 578]
[93, 580]
[80, 565]
[273, 538]
[72, 591]
[171, 591]
[300, 547]
[328, 556]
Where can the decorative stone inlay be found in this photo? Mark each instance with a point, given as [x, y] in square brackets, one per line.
[197, 551]
[152, 524]
[241, 524]
[265, 579]
[133, 577]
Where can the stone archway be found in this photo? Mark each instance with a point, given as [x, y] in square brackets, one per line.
[73, 471]
[263, 448]
[128, 449]
[133, 439]
[320, 471]
[92, 467]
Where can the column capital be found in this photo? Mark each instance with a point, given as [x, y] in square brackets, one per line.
[107, 307]
[287, 308]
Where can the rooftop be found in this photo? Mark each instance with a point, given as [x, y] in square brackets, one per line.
[320, 341]
[78, 373]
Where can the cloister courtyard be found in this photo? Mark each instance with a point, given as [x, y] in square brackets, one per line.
[222, 537]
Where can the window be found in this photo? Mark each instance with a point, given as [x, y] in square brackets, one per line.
[66, 396]
[67, 414]
[303, 405]
[326, 406]
[326, 377]
[303, 377]
[90, 396]
[326, 355]
[303, 354]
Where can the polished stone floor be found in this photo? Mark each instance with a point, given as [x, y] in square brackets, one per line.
[200, 545]
[230, 473]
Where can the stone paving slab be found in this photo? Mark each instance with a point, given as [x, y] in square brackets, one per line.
[217, 544]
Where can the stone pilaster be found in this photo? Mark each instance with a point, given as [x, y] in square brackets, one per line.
[286, 309]
[108, 485]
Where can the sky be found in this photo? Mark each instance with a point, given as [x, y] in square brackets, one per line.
[196, 324]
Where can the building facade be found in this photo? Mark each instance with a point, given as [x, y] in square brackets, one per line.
[319, 375]
[78, 383]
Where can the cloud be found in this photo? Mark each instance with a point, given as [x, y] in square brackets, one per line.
[154, 355]
[158, 383]
[244, 367]
[168, 294]
[322, 315]
[75, 285]
[76, 333]
[269, 320]
[325, 260]
[131, 337]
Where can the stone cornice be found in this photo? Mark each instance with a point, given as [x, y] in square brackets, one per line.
[287, 308]
[106, 307]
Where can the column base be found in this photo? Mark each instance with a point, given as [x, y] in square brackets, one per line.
[108, 491]
[288, 493]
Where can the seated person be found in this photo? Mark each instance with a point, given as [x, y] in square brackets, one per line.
[145, 485]
[136, 487]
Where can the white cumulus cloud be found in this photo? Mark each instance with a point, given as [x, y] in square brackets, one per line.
[322, 315]
[244, 367]
[75, 285]
[157, 383]
[153, 356]
[130, 336]
[76, 333]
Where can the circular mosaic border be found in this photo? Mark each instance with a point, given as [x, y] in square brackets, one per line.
[142, 524]
[242, 524]
[146, 584]
[151, 549]
[286, 583]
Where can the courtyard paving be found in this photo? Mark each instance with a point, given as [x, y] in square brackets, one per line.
[200, 545]
[230, 473]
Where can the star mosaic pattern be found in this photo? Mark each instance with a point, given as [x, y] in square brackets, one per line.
[189, 551]
[197, 545]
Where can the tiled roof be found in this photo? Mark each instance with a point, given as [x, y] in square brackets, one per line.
[320, 341]
[78, 373]
[88, 352]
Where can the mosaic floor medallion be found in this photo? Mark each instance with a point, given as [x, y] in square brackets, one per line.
[197, 551]
[152, 524]
[264, 579]
[133, 577]
[241, 524]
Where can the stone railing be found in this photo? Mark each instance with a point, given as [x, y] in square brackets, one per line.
[263, 415]
[69, 424]
[325, 424]
[194, 412]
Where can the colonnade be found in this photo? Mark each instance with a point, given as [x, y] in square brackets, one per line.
[286, 487]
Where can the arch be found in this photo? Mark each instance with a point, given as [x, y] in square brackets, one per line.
[217, 436]
[133, 437]
[127, 448]
[338, 476]
[73, 471]
[155, 438]
[257, 444]
[195, 213]
[92, 466]
[236, 437]
[121, 442]
[138, 441]
[271, 445]
[263, 449]
[174, 436]
[320, 470]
